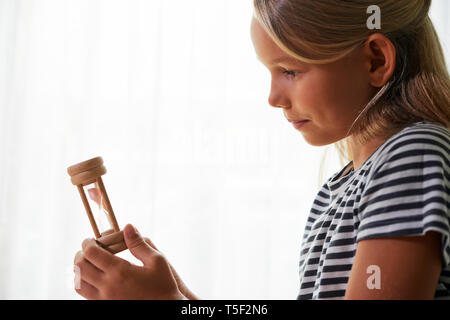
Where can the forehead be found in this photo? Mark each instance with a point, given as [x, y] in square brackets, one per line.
[266, 49]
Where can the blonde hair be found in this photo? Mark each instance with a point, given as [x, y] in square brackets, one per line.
[320, 32]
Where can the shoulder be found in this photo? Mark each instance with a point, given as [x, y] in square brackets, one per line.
[416, 160]
[419, 142]
[419, 135]
[407, 189]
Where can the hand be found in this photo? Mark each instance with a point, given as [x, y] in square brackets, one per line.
[101, 275]
[181, 286]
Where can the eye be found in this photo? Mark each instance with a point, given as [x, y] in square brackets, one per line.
[291, 73]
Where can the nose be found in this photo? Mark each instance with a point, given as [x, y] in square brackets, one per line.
[276, 97]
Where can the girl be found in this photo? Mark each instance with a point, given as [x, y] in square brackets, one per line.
[378, 228]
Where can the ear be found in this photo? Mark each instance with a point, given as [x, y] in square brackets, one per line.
[379, 54]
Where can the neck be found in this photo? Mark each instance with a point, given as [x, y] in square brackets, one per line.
[361, 152]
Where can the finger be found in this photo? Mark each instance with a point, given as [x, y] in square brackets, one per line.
[78, 257]
[87, 271]
[150, 243]
[85, 243]
[99, 257]
[86, 290]
[89, 241]
[137, 245]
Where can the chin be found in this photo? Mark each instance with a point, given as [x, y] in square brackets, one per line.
[321, 135]
[318, 141]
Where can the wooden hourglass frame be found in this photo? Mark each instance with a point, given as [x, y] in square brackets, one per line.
[89, 172]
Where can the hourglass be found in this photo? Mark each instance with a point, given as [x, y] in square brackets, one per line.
[86, 176]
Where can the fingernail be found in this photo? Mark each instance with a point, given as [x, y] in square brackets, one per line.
[131, 231]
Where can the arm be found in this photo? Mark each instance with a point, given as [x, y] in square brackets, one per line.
[409, 267]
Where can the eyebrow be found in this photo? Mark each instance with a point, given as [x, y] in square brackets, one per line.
[285, 59]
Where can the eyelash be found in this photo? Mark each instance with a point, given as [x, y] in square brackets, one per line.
[291, 73]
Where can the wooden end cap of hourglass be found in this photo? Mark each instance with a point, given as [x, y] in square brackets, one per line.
[112, 241]
[83, 174]
[86, 172]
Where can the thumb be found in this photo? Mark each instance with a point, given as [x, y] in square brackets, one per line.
[137, 245]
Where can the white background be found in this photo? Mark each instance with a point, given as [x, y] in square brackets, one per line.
[171, 95]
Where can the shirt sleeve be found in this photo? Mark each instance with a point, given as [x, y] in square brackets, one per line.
[407, 190]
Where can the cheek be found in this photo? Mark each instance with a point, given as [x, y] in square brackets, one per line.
[325, 95]
[318, 94]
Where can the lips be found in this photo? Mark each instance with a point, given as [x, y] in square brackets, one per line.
[298, 124]
[295, 121]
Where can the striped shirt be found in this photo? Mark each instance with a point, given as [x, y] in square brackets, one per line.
[402, 189]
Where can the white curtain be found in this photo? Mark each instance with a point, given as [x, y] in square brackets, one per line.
[171, 95]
